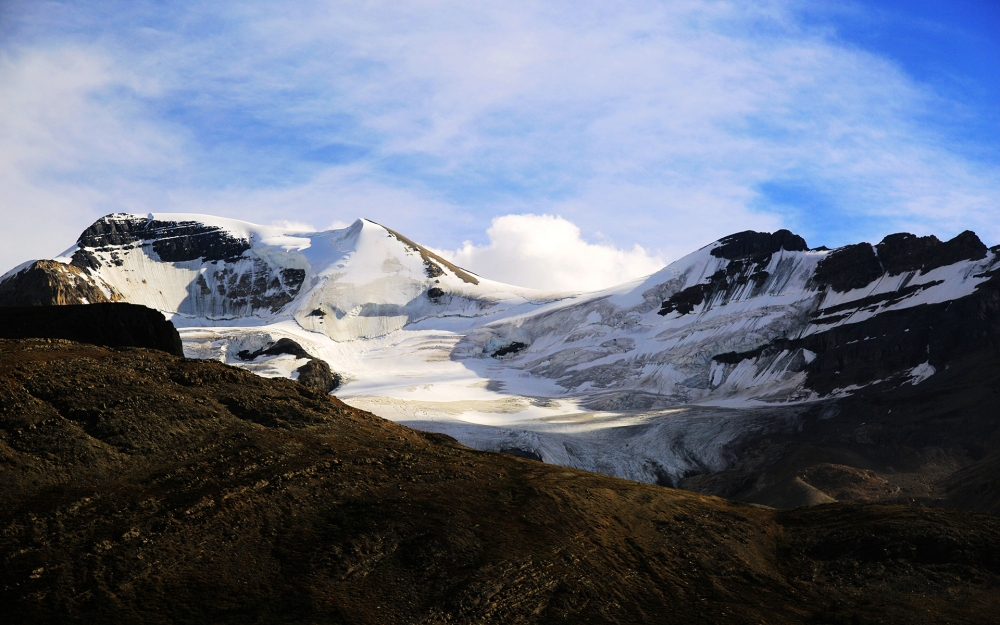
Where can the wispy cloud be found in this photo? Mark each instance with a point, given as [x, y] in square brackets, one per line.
[73, 144]
[659, 124]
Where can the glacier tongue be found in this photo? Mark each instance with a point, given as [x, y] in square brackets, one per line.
[641, 380]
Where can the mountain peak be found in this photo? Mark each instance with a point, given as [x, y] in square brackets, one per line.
[433, 262]
[750, 243]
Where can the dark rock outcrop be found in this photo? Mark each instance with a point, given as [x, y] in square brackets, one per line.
[904, 252]
[749, 243]
[685, 300]
[514, 347]
[51, 283]
[315, 374]
[111, 325]
[848, 268]
[173, 241]
[280, 347]
[856, 266]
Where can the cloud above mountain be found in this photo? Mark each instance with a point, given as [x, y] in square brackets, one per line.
[548, 252]
[662, 125]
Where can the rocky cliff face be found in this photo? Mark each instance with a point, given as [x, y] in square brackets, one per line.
[171, 241]
[51, 283]
[185, 266]
[888, 346]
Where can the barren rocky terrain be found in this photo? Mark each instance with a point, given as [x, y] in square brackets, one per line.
[138, 486]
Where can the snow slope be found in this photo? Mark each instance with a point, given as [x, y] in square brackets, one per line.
[620, 347]
[362, 281]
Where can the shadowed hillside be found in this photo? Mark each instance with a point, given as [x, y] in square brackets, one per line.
[111, 325]
[142, 487]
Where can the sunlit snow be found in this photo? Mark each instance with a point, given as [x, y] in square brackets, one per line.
[599, 381]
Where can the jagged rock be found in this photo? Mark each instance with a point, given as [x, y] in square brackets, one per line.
[684, 301]
[232, 281]
[749, 243]
[173, 241]
[849, 267]
[280, 347]
[51, 283]
[316, 374]
[904, 252]
[857, 266]
[513, 347]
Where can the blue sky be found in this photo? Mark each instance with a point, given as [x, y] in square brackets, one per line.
[649, 124]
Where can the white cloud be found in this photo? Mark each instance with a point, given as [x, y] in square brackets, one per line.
[712, 99]
[653, 123]
[547, 252]
[73, 146]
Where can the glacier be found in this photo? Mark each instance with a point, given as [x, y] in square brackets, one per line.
[651, 380]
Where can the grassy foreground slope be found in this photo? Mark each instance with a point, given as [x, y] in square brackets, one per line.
[137, 486]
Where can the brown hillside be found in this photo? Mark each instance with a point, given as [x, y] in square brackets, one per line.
[138, 486]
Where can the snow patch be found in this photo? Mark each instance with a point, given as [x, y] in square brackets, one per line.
[921, 372]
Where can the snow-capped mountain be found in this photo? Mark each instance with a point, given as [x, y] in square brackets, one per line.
[640, 380]
[359, 282]
[743, 318]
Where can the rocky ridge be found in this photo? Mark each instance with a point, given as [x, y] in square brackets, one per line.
[51, 283]
[758, 317]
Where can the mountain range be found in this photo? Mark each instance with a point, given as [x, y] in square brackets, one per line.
[754, 368]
